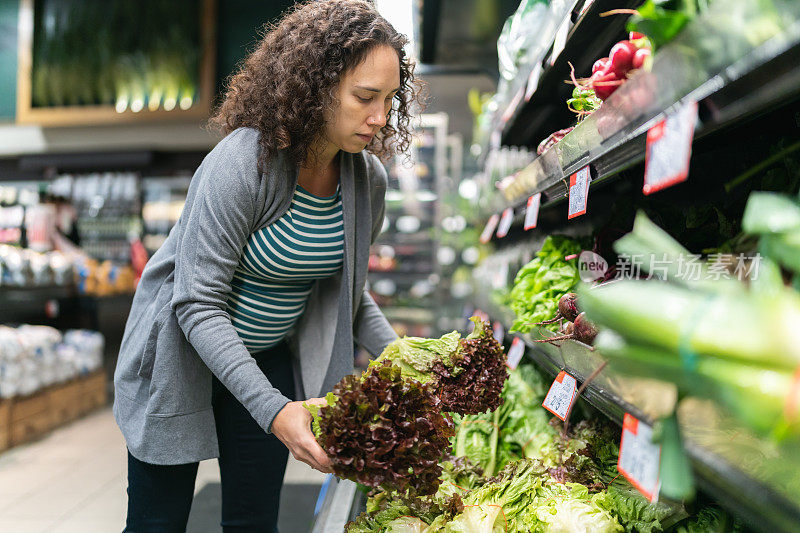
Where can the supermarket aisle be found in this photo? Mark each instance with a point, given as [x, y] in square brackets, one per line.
[74, 480]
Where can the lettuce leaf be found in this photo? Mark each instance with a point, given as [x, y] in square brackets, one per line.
[569, 508]
[539, 284]
[387, 431]
[635, 512]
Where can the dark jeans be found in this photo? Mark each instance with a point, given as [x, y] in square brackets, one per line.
[251, 463]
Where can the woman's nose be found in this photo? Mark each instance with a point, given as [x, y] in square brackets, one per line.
[377, 119]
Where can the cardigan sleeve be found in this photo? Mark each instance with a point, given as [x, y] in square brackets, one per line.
[216, 225]
[371, 329]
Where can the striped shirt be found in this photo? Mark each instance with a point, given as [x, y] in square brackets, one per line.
[279, 265]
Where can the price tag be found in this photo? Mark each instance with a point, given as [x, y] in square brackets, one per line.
[491, 224]
[499, 332]
[560, 41]
[515, 353]
[561, 395]
[578, 192]
[669, 149]
[639, 457]
[532, 211]
[505, 222]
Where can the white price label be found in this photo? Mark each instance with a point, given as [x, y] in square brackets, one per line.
[505, 222]
[560, 41]
[488, 230]
[578, 192]
[639, 457]
[498, 332]
[515, 353]
[532, 211]
[669, 149]
[561, 395]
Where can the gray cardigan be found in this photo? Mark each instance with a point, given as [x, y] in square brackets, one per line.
[179, 333]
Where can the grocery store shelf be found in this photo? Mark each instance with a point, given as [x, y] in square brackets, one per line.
[338, 504]
[719, 473]
[545, 111]
[16, 295]
[732, 75]
[419, 315]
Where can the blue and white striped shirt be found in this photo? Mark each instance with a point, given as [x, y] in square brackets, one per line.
[279, 265]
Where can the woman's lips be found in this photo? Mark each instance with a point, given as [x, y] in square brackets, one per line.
[365, 138]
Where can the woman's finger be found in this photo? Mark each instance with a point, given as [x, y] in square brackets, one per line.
[314, 463]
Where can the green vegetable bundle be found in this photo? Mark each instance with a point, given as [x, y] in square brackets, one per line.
[519, 428]
[775, 218]
[717, 339]
[539, 284]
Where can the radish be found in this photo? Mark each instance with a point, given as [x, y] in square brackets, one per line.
[621, 56]
[582, 331]
[604, 84]
[635, 36]
[640, 57]
[567, 308]
[601, 65]
[585, 331]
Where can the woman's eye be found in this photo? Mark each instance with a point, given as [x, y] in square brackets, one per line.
[364, 99]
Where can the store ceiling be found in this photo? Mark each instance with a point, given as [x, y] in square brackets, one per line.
[458, 51]
[463, 33]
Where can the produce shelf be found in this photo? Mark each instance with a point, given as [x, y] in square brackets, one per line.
[733, 72]
[751, 477]
[545, 110]
[339, 502]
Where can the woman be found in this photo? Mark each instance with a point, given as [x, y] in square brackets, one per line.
[257, 296]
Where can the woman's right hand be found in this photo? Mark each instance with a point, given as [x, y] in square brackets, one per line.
[292, 425]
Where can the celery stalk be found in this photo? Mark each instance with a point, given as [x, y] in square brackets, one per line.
[648, 245]
[740, 326]
[753, 394]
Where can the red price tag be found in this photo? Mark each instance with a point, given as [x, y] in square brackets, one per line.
[639, 457]
[505, 222]
[491, 224]
[561, 395]
[532, 211]
[669, 149]
[515, 353]
[498, 332]
[578, 192]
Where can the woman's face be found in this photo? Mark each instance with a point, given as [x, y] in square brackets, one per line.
[365, 96]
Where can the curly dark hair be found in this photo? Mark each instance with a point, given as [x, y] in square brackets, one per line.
[284, 86]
